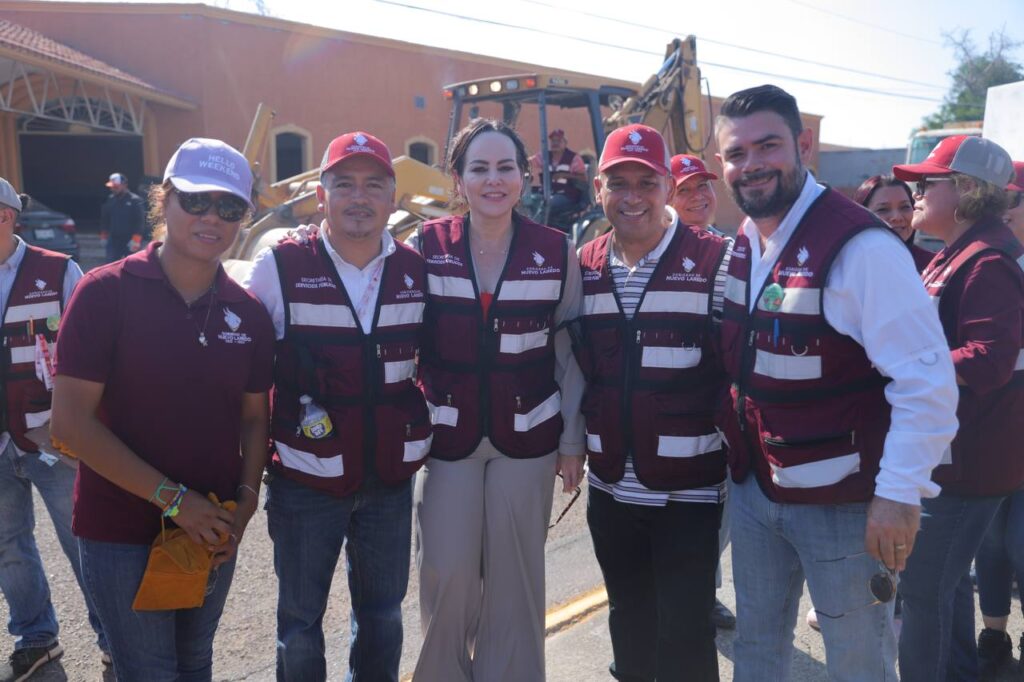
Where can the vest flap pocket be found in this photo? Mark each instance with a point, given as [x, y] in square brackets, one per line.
[665, 357]
[530, 415]
[812, 461]
[399, 370]
[418, 437]
[309, 463]
[443, 415]
[787, 367]
[520, 343]
[681, 432]
[34, 420]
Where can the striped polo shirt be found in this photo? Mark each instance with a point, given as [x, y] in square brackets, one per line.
[629, 285]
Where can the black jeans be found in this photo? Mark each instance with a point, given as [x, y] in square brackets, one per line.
[659, 569]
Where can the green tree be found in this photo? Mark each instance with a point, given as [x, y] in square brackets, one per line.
[974, 74]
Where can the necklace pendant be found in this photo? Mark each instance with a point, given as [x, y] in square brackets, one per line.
[202, 339]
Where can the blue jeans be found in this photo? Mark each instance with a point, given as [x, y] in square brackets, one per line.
[1001, 556]
[309, 528]
[937, 642]
[22, 578]
[155, 646]
[774, 548]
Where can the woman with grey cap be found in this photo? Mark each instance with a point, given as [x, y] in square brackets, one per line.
[162, 382]
[978, 289]
[35, 284]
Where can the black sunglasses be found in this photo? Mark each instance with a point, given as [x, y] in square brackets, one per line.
[924, 183]
[575, 496]
[229, 207]
[882, 586]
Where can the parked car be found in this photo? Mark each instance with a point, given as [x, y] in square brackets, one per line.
[39, 225]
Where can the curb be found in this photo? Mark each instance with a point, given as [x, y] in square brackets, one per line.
[574, 611]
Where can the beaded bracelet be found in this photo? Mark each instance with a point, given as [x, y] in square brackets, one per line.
[172, 509]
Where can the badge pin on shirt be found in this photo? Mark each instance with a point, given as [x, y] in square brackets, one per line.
[772, 297]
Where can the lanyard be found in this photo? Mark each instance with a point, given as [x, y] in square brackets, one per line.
[368, 292]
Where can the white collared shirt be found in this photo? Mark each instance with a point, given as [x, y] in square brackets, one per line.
[875, 296]
[265, 283]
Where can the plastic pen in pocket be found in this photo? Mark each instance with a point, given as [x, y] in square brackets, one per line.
[775, 332]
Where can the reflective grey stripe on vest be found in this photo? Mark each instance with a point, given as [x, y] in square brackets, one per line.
[816, 474]
[450, 287]
[321, 315]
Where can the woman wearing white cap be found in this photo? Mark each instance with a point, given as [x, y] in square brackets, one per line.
[978, 288]
[162, 379]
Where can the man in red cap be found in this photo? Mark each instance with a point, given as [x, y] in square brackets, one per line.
[349, 425]
[657, 464]
[568, 178]
[122, 219]
[842, 400]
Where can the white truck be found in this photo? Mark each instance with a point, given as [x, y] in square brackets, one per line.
[1004, 118]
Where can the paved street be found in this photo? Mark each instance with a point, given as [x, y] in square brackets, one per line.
[245, 641]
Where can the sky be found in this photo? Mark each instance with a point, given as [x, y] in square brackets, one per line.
[894, 61]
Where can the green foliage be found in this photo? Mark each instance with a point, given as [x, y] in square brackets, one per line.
[974, 74]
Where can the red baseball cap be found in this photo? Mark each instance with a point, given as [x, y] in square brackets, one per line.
[557, 132]
[1017, 183]
[639, 143]
[974, 156]
[685, 166]
[356, 144]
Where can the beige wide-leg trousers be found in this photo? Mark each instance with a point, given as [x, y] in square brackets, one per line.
[481, 523]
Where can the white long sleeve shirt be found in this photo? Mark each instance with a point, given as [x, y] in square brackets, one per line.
[874, 295]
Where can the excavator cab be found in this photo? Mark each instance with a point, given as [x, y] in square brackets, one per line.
[669, 101]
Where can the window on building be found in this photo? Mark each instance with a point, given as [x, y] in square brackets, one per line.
[422, 151]
[290, 151]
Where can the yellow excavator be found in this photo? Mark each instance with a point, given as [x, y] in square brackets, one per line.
[670, 101]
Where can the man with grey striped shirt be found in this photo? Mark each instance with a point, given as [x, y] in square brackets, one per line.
[657, 473]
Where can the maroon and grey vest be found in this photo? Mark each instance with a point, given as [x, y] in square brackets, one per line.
[807, 410]
[652, 381]
[492, 375]
[984, 458]
[365, 382]
[33, 308]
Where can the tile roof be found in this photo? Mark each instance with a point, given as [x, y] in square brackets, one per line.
[32, 42]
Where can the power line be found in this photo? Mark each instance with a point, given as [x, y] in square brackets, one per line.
[704, 39]
[492, 22]
[855, 20]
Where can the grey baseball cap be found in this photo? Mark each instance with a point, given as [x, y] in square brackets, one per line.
[202, 164]
[9, 196]
[975, 156]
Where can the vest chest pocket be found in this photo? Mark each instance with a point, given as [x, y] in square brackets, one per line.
[518, 335]
[398, 361]
[812, 461]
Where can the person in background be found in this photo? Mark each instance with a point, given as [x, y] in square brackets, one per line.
[891, 199]
[568, 178]
[35, 285]
[164, 365]
[122, 219]
[977, 285]
[504, 392]
[695, 202]
[842, 401]
[1014, 216]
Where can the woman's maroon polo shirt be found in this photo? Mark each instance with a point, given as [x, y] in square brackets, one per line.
[174, 402]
